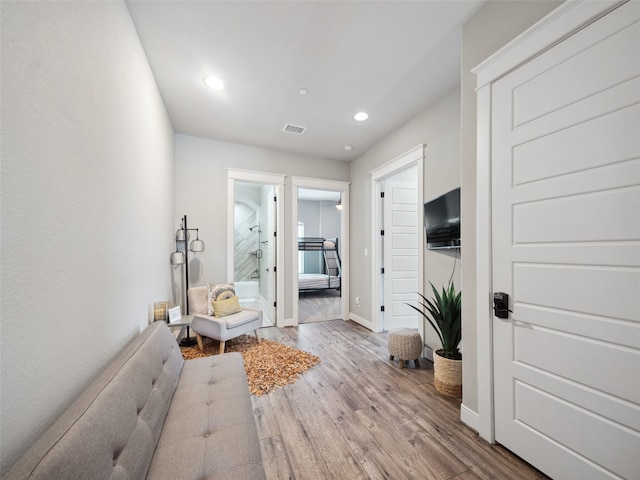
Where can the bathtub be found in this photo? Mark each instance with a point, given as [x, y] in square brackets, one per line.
[247, 291]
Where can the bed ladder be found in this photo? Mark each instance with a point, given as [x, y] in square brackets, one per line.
[332, 262]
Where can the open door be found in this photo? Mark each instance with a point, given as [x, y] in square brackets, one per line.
[260, 191]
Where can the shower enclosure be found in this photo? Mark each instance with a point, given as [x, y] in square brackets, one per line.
[253, 246]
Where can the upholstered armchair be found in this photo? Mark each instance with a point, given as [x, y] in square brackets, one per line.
[220, 328]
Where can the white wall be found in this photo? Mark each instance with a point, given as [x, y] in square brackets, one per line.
[201, 193]
[87, 202]
[493, 26]
[438, 126]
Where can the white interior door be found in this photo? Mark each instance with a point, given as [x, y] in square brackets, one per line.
[270, 273]
[401, 244]
[566, 248]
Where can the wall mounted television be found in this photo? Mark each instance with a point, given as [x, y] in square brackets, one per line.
[442, 221]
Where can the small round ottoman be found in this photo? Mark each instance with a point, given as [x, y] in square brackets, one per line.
[405, 344]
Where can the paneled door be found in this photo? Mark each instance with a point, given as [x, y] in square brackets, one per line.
[401, 245]
[270, 270]
[566, 248]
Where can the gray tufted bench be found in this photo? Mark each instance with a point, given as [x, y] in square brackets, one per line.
[152, 415]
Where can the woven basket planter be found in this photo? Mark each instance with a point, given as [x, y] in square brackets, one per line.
[447, 375]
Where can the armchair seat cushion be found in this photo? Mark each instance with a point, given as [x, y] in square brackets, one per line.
[242, 318]
[220, 328]
[227, 327]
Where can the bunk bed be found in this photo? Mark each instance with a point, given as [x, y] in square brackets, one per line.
[331, 275]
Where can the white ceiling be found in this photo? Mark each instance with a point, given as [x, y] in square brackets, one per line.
[388, 58]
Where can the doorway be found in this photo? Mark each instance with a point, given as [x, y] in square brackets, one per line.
[254, 248]
[319, 259]
[398, 241]
[254, 252]
[320, 271]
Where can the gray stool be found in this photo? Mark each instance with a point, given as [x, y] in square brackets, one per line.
[405, 344]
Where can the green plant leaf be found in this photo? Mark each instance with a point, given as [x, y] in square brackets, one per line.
[444, 314]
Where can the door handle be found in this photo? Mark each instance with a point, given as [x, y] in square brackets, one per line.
[501, 305]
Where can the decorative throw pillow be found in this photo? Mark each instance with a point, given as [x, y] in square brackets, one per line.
[218, 292]
[228, 306]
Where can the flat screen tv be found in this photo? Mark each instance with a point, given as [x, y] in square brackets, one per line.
[442, 221]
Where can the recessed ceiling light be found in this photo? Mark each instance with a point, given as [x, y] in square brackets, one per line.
[303, 91]
[348, 148]
[361, 116]
[213, 83]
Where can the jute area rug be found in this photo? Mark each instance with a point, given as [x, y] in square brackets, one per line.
[268, 364]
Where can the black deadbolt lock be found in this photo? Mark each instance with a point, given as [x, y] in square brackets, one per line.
[501, 305]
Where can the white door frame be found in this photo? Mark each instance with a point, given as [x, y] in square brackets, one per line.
[552, 29]
[320, 184]
[415, 156]
[260, 178]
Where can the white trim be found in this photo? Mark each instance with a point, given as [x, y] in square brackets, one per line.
[280, 306]
[427, 352]
[552, 29]
[484, 315]
[415, 156]
[366, 323]
[398, 163]
[321, 184]
[255, 177]
[263, 178]
[231, 200]
[469, 417]
[565, 20]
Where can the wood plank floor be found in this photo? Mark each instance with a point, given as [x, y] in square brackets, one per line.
[356, 415]
[319, 305]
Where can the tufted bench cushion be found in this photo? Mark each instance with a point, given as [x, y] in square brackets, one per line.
[211, 422]
[152, 415]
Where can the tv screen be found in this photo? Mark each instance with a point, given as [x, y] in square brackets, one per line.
[442, 221]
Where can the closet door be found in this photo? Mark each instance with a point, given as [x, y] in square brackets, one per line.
[566, 248]
[401, 245]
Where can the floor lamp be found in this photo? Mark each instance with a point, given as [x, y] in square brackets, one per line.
[181, 257]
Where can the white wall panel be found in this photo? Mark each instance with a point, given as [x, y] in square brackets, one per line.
[606, 291]
[537, 411]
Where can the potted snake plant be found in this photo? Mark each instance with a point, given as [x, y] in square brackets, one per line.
[444, 314]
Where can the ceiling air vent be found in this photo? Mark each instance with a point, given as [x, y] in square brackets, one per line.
[295, 129]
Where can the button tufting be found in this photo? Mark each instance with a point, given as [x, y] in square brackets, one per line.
[206, 435]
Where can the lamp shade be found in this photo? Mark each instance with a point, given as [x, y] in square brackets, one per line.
[182, 235]
[197, 245]
[177, 258]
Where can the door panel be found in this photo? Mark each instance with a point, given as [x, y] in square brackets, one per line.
[400, 254]
[271, 273]
[566, 247]
[548, 90]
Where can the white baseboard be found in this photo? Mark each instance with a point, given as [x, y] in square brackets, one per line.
[361, 321]
[469, 418]
[427, 352]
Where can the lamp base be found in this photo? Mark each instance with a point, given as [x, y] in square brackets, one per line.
[188, 342]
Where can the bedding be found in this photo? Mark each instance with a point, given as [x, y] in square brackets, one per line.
[317, 281]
